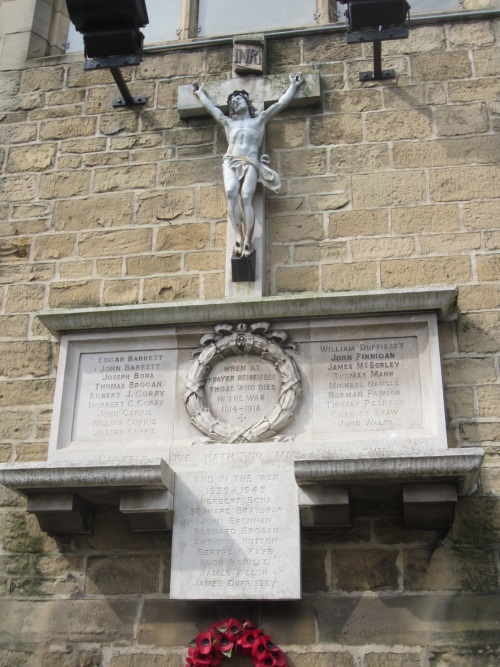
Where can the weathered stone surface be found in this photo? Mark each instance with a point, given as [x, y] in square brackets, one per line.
[68, 620]
[171, 288]
[364, 570]
[384, 247]
[468, 371]
[303, 163]
[444, 569]
[29, 392]
[361, 157]
[479, 332]
[122, 575]
[73, 658]
[24, 298]
[297, 228]
[392, 660]
[187, 172]
[64, 184]
[347, 277]
[167, 205]
[183, 237]
[124, 178]
[31, 158]
[147, 660]
[123, 242]
[420, 619]
[313, 659]
[56, 246]
[470, 119]
[146, 265]
[452, 659]
[67, 128]
[121, 292]
[489, 400]
[93, 213]
[459, 402]
[389, 189]
[364, 222]
[16, 659]
[397, 125]
[18, 359]
[438, 271]
[297, 279]
[440, 67]
[75, 294]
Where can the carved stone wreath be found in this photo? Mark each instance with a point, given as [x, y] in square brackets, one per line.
[242, 339]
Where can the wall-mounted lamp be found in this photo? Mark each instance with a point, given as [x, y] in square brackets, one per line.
[376, 21]
[112, 38]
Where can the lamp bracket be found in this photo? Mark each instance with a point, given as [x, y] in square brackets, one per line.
[382, 35]
[113, 64]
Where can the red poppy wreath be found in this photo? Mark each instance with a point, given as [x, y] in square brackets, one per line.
[224, 639]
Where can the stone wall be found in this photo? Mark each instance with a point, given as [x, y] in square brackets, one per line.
[385, 186]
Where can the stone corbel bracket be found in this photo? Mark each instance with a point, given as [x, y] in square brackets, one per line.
[263, 91]
[428, 485]
[62, 495]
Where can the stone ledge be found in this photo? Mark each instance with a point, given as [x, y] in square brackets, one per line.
[427, 484]
[63, 494]
[440, 299]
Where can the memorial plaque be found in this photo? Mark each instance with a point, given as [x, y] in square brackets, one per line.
[237, 535]
[368, 385]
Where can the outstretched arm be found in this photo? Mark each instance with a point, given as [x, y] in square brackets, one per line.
[214, 111]
[295, 82]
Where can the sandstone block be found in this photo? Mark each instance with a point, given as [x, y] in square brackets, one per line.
[19, 188]
[362, 222]
[17, 134]
[365, 570]
[462, 119]
[348, 277]
[317, 185]
[147, 660]
[69, 162]
[42, 78]
[171, 289]
[183, 237]
[457, 151]
[15, 425]
[68, 128]
[477, 90]
[124, 178]
[440, 67]
[487, 62]
[26, 392]
[113, 210]
[16, 659]
[286, 134]
[464, 183]
[482, 215]
[297, 279]
[478, 297]
[489, 400]
[213, 285]
[468, 371]
[30, 158]
[397, 125]
[122, 575]
[56, 246]
[81, 146]
[477, 34]
[492, 240]
[180, 62]
[454, 243]
[428, 271]
[283, 52]
[188, 172]
[194, 136]
[78, 78]
[313, 659]
[303, 163]
[148, 265]
[324, 252]
[323, 48]
[24, 298]
[213, 203]
[286, 204]
[388, 189]
[206, 260]
[19, 359]
[117, 242]
[109, 267]
[422, 39]
[392, 660]
[292, 622]
[425, 219]
[152, 155]
[297, 228]
[384, 247]
[452, 659]
[73, 658]
[62, 621]
[488, 267]
[340, 101]
[336, 129]
[110, 124]
[364, 157]
[445, 569]
[121, 292]
[64, 184]
[57, 112]
[14, 326]
[75, 294]
[103, 159]
[74, 270]
[328, 202]
[459, 403]
[479, 332]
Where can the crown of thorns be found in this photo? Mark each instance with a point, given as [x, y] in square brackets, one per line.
[251, 109]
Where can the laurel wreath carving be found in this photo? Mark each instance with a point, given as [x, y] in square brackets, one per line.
[235, 340]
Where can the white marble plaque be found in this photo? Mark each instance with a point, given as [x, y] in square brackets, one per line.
[242, 389]
[369, 385]
[236, 535]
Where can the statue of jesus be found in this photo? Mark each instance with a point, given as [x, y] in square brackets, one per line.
[242, 168]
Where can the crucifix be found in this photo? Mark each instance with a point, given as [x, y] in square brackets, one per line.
[245, 164]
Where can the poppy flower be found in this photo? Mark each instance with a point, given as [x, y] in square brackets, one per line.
[204, 642]
[259, 647]
[195, 658]
[223, 643]
[233, 628]
[248, 638]
[267, 661]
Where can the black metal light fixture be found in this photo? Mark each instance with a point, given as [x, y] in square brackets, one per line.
[376, 21]
[112, 38]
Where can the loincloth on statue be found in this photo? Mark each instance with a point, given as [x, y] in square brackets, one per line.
[240, 163]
